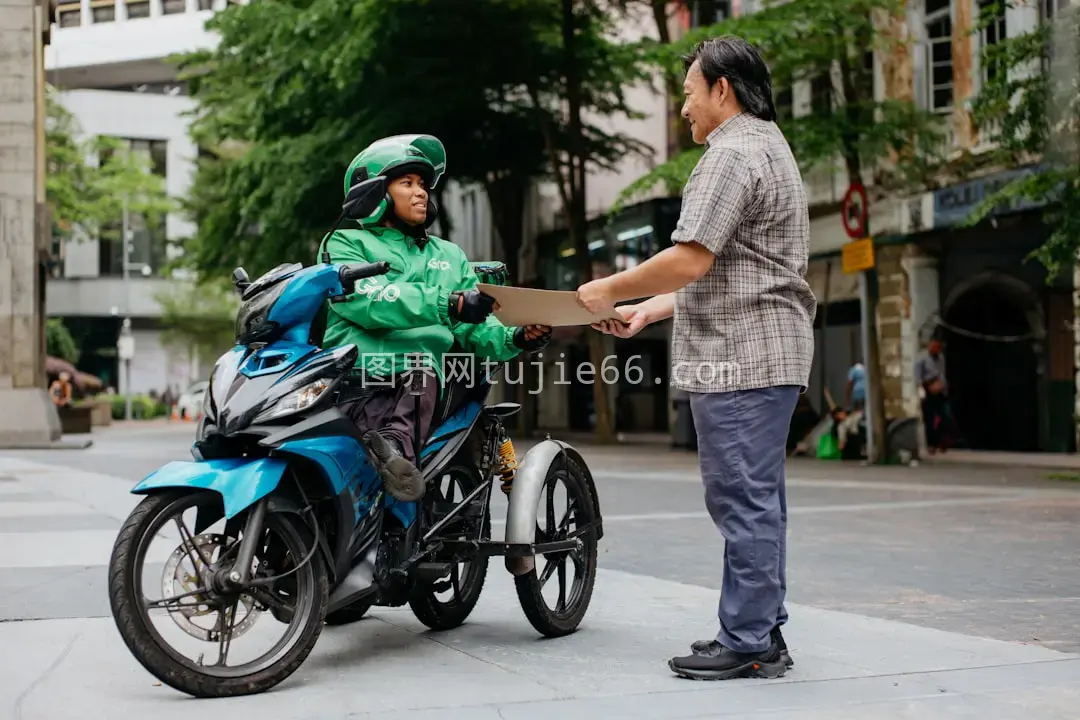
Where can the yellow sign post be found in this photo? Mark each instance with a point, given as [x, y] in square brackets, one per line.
[858, 255]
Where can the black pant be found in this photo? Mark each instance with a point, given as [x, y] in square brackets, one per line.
[935, 408]
[391, 409]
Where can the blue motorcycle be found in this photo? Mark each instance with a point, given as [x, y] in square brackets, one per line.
[282, 517]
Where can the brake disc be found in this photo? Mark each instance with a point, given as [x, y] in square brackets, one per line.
[177, 580]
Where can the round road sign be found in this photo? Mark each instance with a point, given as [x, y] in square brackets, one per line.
[853, 211]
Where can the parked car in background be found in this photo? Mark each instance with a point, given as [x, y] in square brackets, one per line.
[190, 403]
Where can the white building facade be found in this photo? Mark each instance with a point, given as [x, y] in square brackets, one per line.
[109, 60]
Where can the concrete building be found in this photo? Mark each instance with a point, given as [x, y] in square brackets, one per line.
[27, 416]
[1008, 334]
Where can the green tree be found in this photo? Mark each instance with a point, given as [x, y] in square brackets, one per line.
[281, 113]
[294, 90]
[59, 342]
[1029, 107]
[829, 43]
[574, 67]
[88, 196]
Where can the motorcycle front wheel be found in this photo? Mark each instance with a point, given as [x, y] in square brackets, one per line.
[556, 595]
[188, 591]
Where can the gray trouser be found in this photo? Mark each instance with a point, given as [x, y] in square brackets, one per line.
[742, 439]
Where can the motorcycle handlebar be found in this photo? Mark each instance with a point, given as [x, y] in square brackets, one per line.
[351, 273]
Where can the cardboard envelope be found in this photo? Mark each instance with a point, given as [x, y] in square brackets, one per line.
[527, 306]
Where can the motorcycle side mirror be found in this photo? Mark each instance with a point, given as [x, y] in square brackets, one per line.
[363, 198]
[240, 279]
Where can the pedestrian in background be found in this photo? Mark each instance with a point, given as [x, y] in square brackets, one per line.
[743, 342]
[937, 415]
[855, 394]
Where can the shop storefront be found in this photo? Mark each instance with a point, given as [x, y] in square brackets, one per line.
[639, 396]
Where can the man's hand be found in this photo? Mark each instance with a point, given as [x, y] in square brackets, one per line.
[532, 337]
[635, 319]
[471, 306]
[596, 297]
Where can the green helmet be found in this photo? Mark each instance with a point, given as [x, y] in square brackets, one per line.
[393, 157]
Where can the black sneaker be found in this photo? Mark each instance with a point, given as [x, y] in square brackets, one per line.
[721, 663]
[400, 477]
[709, 646]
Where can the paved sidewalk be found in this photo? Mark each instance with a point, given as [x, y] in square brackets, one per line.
[389, 666]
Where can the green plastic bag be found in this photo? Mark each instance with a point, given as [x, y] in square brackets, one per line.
[827, 449]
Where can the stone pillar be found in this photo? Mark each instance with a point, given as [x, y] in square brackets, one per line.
[963, 122]
[909, 300]
[27, 416]
[891, 310]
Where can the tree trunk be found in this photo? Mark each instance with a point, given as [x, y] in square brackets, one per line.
[679, 137]
[507, 196]
[578, 222]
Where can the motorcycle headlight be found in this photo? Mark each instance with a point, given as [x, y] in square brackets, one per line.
[295, 401]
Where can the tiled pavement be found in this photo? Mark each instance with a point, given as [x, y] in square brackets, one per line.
[62, 657]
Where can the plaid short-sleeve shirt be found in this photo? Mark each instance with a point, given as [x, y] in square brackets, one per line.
[748, 322]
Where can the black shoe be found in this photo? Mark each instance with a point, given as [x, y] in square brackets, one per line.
[400, 477]
[709, 646]
[722, 663]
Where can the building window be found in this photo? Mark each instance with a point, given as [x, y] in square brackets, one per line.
[148, 242]
[993, 13]
[708, 12]
[138, 9]
[103, 11]
[939, 54]
[785, 104]
[821, 95]
[69, 15]
[1052, 8]
[173, 7]
[206, 4]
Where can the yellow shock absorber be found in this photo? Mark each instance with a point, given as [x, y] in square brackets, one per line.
[507, 465]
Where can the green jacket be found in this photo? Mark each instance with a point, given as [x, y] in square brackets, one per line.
[407, 311]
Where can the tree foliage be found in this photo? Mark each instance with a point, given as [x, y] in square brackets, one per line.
[59, 343]
[87, 179]
[1029, 107]
[828, 43]
[199, 318]
[295, 89]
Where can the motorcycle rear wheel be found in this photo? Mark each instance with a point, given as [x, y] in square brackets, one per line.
[131, 614]
[467, 585]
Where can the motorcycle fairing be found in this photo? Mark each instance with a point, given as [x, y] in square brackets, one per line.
[241, 482]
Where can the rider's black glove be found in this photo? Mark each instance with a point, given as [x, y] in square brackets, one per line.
[471, 306]
[522, 341]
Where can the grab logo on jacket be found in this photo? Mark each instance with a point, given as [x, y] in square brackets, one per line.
[438, 264]
[377, 292]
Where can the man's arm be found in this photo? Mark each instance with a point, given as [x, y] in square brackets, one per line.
[637, 316]
[378, 304]
[720, 193]
[665, 272]
[658, 308]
